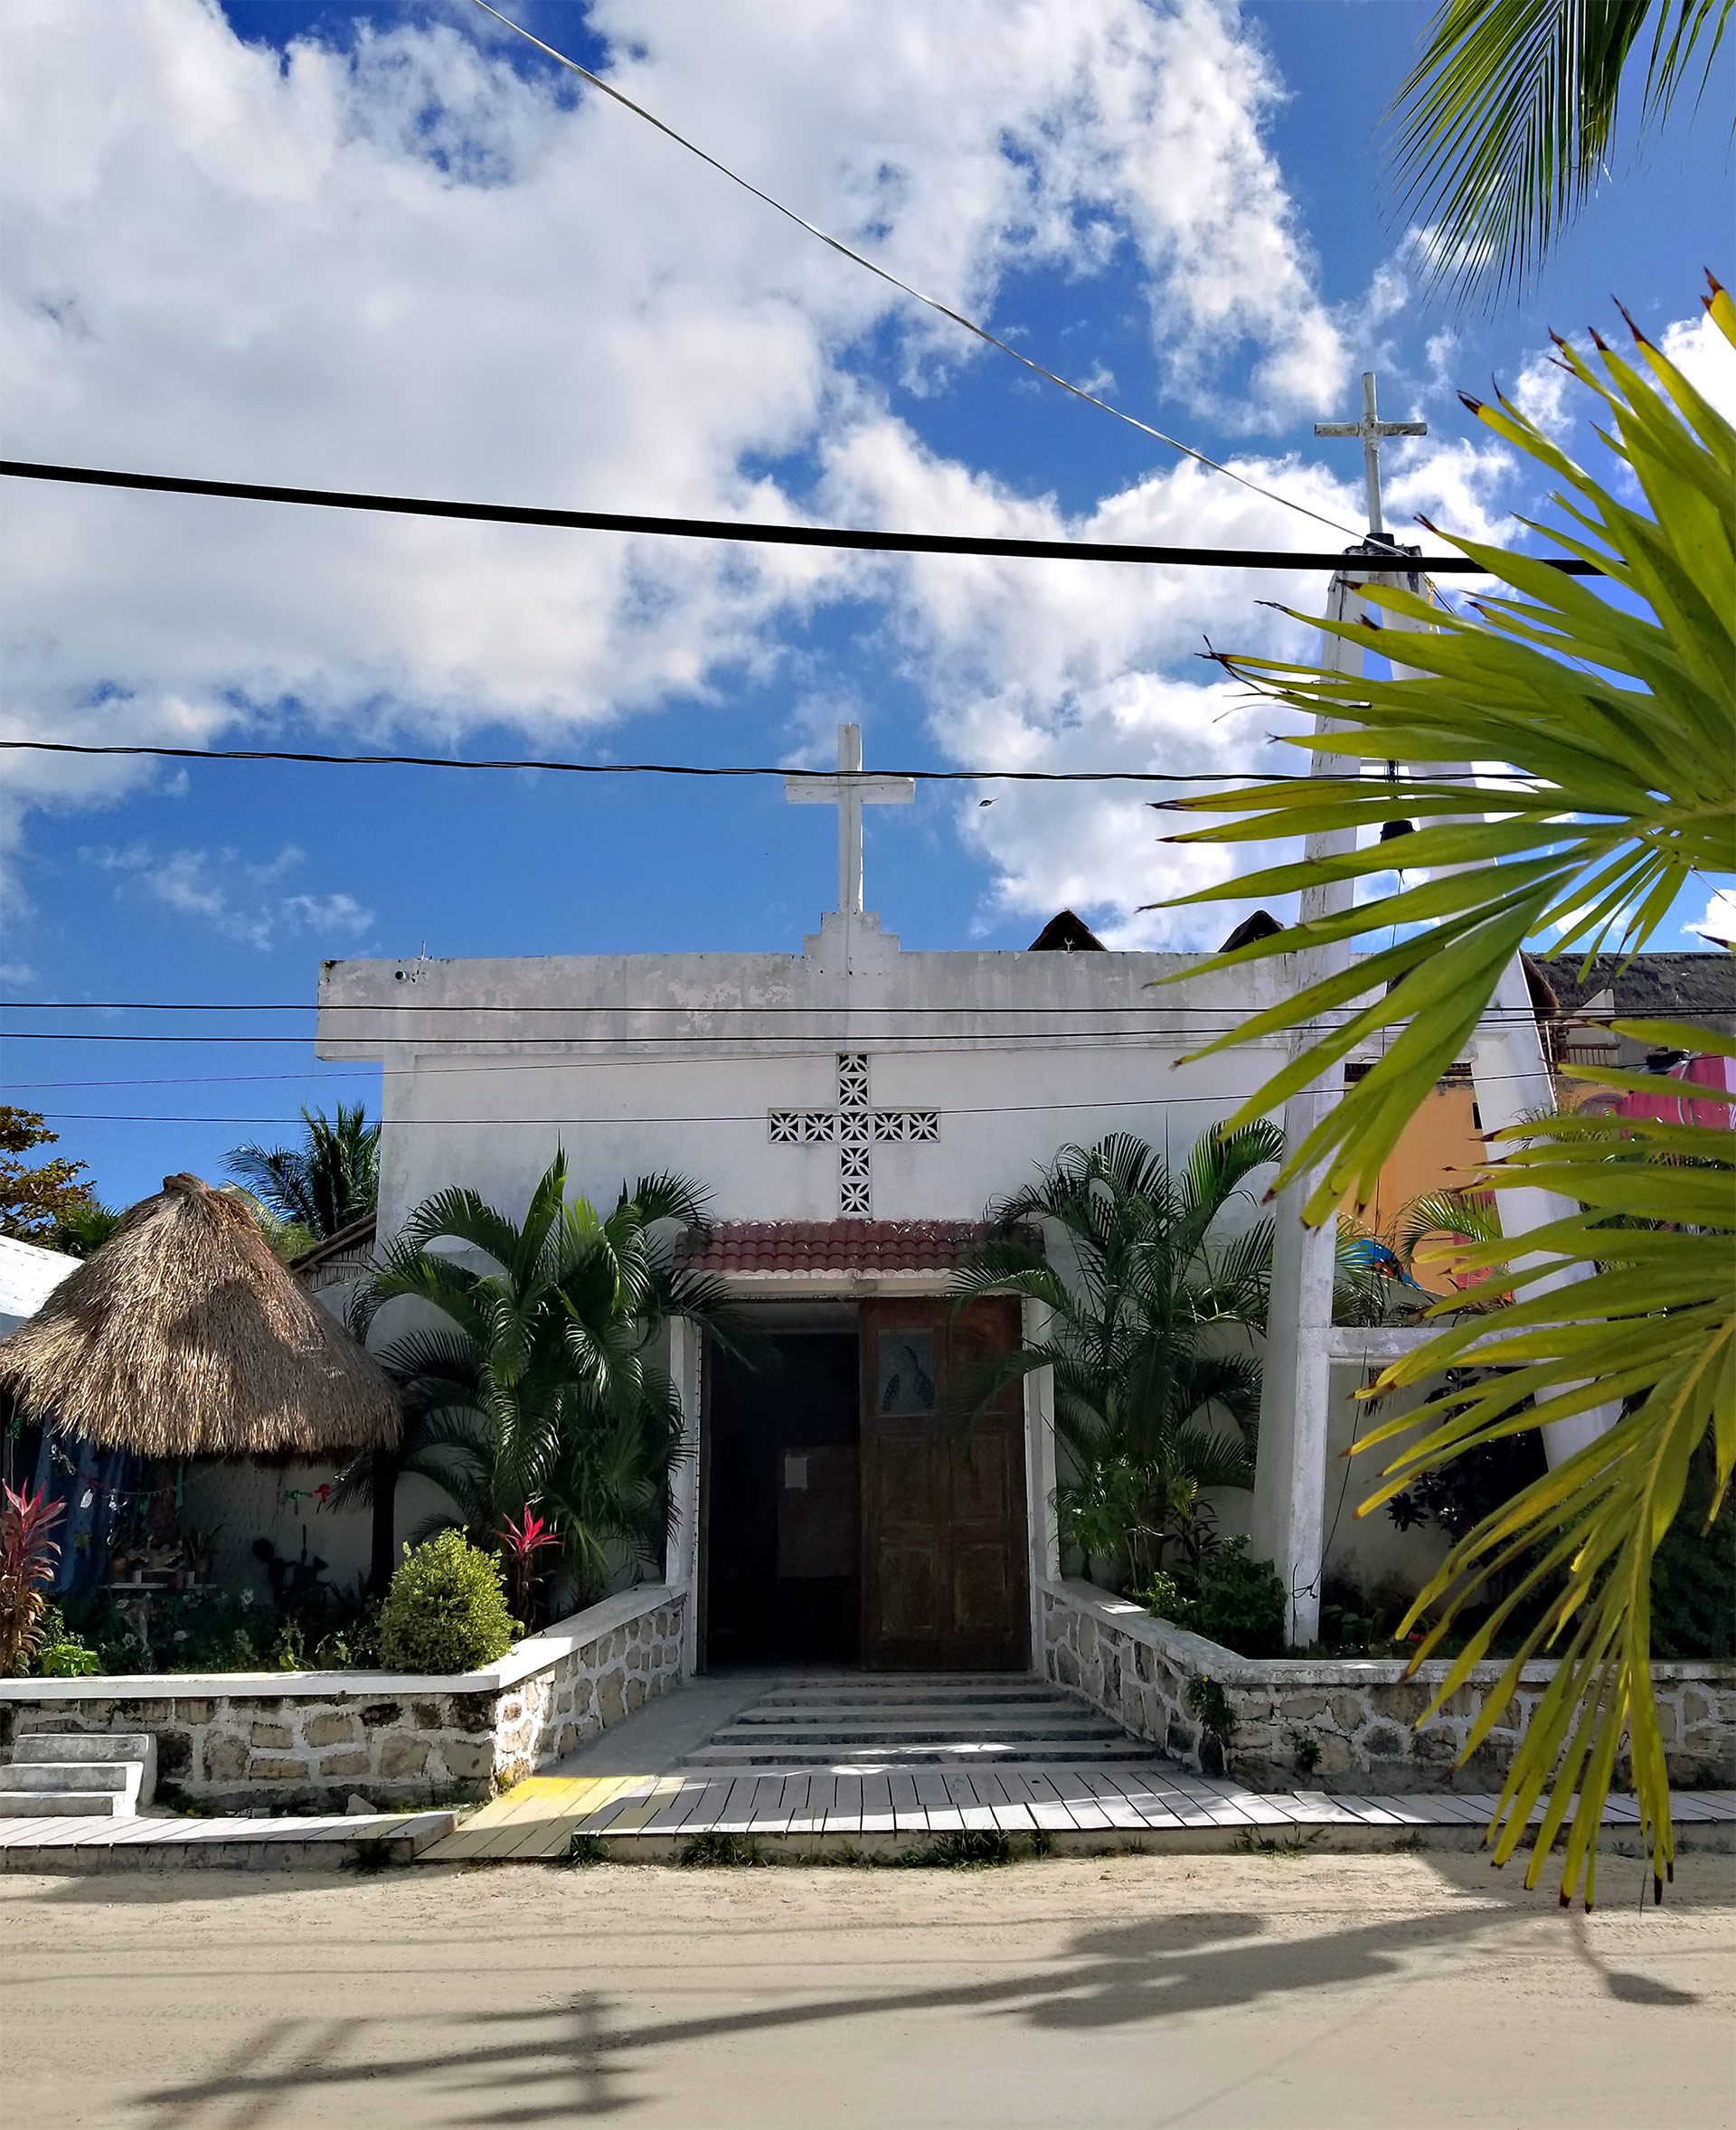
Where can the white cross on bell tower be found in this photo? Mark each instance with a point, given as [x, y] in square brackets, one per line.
[1370, 428]
[849, 791]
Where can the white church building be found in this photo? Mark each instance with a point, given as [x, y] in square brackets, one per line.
[852, 1109]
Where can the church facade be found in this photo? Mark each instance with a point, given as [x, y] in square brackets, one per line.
[852, 1110]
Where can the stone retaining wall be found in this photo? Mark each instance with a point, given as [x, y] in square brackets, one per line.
[1362, 1714]
[301, 1740]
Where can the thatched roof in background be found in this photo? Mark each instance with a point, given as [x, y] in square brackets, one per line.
[184, 1336]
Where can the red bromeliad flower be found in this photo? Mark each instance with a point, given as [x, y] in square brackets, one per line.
[522, 1542]
[528, 1536]
[27, 1558]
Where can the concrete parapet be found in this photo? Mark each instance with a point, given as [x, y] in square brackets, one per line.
[298, 1741]
[1362, 1714]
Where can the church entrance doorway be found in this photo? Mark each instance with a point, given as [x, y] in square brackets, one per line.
[943, 1548]
[784, 1505]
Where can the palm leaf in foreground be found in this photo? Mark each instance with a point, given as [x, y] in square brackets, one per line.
[1616, 718]
[1510, 111]
[1655, 1323]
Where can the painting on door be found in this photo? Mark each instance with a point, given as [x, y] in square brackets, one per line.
[944, 1534]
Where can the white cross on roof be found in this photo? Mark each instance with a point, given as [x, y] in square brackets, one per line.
[1370, 428]
[849, 791]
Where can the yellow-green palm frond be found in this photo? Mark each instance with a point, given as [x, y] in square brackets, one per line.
[1617, 719]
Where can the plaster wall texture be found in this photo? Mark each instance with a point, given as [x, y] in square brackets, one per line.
[1361, 1713]
[300, 1741]
[648, 1061]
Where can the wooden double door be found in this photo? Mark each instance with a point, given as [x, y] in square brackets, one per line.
[944, 1529]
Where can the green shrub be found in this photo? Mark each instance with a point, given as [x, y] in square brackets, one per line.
[1231, 1600]
[61, 1653]
[446, 1610]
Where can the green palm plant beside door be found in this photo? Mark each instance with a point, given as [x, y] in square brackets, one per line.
[1142, 1380]
[536, 1385]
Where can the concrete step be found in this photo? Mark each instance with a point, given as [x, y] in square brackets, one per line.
[81, 1746]
[917, 1719]
[871, 1693]
[114, 1777]
[67, 1805]
[118, 1767]
[900, 1716]
[935, 1753]
[1057, 1741]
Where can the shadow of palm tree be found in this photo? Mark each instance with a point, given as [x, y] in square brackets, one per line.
[550, 2064]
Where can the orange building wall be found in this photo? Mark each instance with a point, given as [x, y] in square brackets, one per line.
[1441, 1149]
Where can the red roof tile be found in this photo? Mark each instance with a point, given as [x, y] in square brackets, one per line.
[831, 1246]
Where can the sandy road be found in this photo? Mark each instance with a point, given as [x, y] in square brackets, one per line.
[1342, 1991]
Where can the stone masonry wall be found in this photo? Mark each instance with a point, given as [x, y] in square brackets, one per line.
[1361, 1713]
[306, 1742]
[594, 1686]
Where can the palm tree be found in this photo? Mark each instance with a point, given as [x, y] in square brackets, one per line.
[330, 1180]
[1508, 115]
[1616, 718]
[1141, 1379]
[536, 1388]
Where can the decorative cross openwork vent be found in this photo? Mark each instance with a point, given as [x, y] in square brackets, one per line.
[853, 1127]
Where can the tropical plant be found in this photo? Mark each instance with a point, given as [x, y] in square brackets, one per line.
[330, 1180]
[1433, 1227]
[27, 1558]
[1510, 111]
[446, 1610]
[520, 1543]
[81, 1230]
[1142, 1376]
[34, 1202]
[1230, 1598]
[537, 1388]
[1617, 717]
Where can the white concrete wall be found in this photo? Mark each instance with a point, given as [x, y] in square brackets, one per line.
[1012, 1085]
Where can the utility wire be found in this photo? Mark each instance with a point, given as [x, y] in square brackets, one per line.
[933, 303]
[397, 1008]
[1367, 560]
[1398, 787]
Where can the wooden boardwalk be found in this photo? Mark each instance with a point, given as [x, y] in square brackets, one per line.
[73, 1843]
[817, 1810]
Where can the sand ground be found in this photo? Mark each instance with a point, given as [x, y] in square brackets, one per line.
[1341, 1991]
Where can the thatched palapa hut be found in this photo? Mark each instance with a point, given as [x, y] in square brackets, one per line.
[184, 1337]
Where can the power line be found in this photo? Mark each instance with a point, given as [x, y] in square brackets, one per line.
[1365, 558]
[882, 273]
[1155, 1025]
[1377, 786]
[1221, 1101]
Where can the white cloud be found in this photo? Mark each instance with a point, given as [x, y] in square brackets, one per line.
[410, 268]
[1705, 358]
[1540, 392]
[1720, 920]
[233, 894]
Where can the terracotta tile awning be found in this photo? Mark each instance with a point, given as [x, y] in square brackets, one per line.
[831, 1246]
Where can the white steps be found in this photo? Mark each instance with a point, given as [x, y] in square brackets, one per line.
[905, 1720]
[71, 1774]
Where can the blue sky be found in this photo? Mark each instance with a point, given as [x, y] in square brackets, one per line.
[388, 247]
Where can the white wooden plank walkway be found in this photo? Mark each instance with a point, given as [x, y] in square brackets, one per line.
[148, 1839]
[806, 1808]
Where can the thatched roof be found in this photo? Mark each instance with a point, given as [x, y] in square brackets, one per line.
[184, 1336]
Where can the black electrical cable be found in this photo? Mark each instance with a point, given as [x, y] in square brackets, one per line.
[920, 543]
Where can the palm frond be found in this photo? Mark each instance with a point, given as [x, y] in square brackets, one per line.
[1508, 115]
[1621, 794]
[1616, 716]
